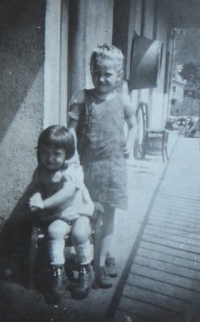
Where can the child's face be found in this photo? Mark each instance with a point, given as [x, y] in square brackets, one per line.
[52, 158]
[104, 76]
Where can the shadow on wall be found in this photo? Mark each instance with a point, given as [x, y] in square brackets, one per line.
[22, 60]
[21, 53]
[15, 237]
[20, 219]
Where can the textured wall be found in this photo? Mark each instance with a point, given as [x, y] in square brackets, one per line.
[21, 99]
[89, 25]
[185, 13]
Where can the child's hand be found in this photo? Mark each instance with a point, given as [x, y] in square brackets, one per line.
[127, 150]
[36, 202]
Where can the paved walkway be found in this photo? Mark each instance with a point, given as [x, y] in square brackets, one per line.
[156, 244]
[161, 279]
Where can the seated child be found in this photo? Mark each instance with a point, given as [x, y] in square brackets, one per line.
[64, 206]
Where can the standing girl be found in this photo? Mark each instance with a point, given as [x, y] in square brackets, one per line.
[63, 206]
[98, 116]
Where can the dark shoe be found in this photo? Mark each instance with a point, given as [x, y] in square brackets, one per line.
[110, 265]
[85, 281]
[56, 282]
[104, 278]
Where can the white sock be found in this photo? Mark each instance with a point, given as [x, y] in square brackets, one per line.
[83, 253]
[56, 249]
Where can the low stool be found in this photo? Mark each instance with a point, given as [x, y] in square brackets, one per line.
[38, 235]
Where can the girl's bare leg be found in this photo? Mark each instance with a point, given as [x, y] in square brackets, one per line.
[81, 230]
[107, 233]
[57, 231]
[106, 238]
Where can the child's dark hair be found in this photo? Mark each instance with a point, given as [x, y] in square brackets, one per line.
[57, 137]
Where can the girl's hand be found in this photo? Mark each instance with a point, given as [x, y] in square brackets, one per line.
[127, 150]
[36, 202]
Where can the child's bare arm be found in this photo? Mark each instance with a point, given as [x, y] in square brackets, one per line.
[37, 190]
[73, 124]
[33, 200]
[132, 134]
[55, 201]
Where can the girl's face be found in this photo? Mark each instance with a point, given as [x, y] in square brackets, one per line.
[52, 158]
[104, 76]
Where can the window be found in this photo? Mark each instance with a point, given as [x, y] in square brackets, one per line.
[174, 89]
[173, 101]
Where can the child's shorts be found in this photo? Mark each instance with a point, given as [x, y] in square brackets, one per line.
[71, 222]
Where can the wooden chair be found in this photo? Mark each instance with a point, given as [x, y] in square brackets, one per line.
[38, 235]
[156, 140]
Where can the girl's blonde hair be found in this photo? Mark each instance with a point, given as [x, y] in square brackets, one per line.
[108, 52]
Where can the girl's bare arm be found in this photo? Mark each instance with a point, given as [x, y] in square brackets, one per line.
[73, 124]
[132, 134]
[56, 200]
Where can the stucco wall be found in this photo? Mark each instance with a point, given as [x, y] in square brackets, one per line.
[21, 99]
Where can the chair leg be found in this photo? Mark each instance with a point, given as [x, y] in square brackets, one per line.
[97, 244]
[33, 252]
[163, 155]
[166, 153]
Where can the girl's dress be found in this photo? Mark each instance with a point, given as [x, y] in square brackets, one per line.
[100, 143]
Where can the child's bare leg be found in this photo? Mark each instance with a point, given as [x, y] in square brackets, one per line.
[81, 232]
[106, 239]
[55, 278]
[106, 233]
[57, 231]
